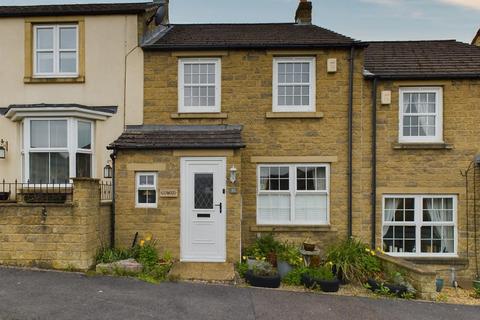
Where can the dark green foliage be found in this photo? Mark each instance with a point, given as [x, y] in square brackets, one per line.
[108, 255]
[294, 277]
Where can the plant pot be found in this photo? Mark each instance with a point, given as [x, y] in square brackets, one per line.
[439, 284]
[329, 285]
[272, 258]
[4, 196]
[308, 282]
[309, 246]
[398, 290]
[373, 285]
[262, 281]
[283, 268]
[338, 272]
[476, 284]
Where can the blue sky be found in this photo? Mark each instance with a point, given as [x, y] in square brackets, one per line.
[360, 19]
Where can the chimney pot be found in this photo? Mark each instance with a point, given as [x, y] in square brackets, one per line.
[303, 15]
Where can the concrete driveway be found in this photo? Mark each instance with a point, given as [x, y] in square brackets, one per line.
[26, 294]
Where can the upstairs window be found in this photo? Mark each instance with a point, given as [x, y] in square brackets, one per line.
[199, 85]
[294, 84]
[55, 50]
[421, 115]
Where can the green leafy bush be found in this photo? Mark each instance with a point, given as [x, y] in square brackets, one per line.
[262, 247]
[320, 273]
[264, 269]
[242, 268]
[354, 258]
[294, 277]
[146, 253]
[289, 253]
[108, 255]
[476, 292]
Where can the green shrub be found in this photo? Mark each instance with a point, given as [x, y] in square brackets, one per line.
[355, 259]
[242, 268]
[294, 277]
[262, 247]
[263, 269]
[289, 253]
[108, 255]
[146, 253]
[476, 292]
[320, 273]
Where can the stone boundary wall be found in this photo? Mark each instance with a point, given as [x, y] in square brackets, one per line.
[422, 280]
[58, 236]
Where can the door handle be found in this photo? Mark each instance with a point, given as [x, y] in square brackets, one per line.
[220, 206]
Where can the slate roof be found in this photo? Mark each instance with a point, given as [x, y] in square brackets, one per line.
[106, 109]
[180, 137]
[252, 35]
[433, 59]
[75, 9]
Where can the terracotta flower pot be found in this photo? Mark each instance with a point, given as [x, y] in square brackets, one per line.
[309, 246]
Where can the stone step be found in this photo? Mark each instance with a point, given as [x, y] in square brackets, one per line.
[205, 271]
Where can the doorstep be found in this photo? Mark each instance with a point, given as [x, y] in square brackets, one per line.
[206, 271]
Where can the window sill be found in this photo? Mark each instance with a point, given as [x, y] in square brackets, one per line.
[294, 115]
[218, 115]
[423, 146]
[80, 79]
[438, 260]
[293, 228]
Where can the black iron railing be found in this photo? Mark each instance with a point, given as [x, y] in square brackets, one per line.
[106, 191]
[54, 192]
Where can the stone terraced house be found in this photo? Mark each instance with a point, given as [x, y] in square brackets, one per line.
[295, 130]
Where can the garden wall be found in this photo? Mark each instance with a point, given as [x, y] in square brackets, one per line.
[59, 236]
[422, 280]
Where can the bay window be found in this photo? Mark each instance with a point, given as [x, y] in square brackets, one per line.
[419, 225]
[57, 149]
[292, 194]
[421, 115]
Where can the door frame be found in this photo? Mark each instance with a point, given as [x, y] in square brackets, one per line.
[222, 161]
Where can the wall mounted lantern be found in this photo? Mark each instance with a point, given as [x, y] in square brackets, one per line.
[107, 171]
[233, 174]
[3, 148]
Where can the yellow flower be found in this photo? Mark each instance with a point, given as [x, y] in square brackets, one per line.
[244, 258]
[148, 238]
[263, 258]
[142, 242]
[366, 249]
[372, 252]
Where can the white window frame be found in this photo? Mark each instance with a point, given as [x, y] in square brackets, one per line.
[312, 99]
[181, 85]
[72, 146]
[293, 192]
[438, 138]
[146, 187]
[56, 51]
[418, 223]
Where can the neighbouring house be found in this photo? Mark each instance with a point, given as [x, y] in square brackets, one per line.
[72, 78]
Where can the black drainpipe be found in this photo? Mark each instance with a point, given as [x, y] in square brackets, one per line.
[113, 156]
[350, 141]
[374, 162]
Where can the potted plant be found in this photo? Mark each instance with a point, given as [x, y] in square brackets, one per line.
[252, 256]
[308, 245]
[4, 195]
[268, 247]
[263, 275]
[288, 258]
[322, 277]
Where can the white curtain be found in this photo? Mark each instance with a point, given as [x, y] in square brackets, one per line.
[436, 216]
[389, 212]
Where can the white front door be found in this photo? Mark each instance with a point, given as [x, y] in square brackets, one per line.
[203, 209]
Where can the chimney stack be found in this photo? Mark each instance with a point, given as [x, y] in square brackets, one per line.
[303, 15]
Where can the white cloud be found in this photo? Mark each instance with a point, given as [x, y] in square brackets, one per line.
[472, 4]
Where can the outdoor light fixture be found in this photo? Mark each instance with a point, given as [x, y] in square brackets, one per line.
[3, 148]
[233, 174]
[107, 171]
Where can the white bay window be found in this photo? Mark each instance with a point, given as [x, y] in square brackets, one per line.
[419, 225]
[56, 149]
[292, 194]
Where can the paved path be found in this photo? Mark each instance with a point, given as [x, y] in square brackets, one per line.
[54, 295]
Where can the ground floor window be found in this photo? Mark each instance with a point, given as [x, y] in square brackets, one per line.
[56, 149]
[419, 224]
[296, 194]
[146, 189]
